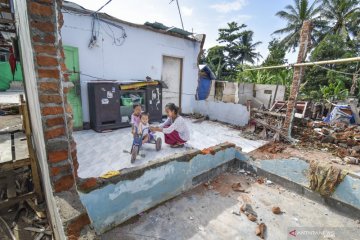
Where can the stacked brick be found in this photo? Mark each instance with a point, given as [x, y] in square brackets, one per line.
[45, 22]
[305, 41]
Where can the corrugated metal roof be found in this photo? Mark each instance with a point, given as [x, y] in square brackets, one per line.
[161, 26]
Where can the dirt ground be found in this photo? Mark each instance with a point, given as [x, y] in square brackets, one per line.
[278, 150]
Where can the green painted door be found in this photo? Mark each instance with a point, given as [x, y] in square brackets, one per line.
[74, 95]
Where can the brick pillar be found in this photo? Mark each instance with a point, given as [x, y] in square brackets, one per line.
[56, 113]
[305, 41]
[45, 22]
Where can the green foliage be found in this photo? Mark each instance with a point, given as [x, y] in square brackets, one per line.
[215, 58]
[277, 52]
[295, 15]
[332, 82]
[334, 91]
[335, 35]
[333, 47]
[282, 77]
[343, 17]
[238, 47]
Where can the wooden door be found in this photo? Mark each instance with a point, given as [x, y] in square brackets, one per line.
[171, 76]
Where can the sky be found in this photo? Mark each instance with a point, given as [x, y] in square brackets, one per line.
[202, 16]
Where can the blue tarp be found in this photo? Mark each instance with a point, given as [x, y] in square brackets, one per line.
[203, 88]
[204, 83]
[337, 113]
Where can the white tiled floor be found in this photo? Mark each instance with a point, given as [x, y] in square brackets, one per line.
[99, 153]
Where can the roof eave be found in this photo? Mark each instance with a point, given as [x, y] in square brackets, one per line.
[108, 17]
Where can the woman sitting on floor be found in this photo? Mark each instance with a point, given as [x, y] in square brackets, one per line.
[174, 128]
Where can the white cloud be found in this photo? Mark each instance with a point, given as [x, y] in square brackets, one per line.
[226, 7]
[186, 11]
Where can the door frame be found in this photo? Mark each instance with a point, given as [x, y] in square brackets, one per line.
[181, 73]
[76, 50]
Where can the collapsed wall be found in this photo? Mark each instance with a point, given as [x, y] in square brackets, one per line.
[111, 201]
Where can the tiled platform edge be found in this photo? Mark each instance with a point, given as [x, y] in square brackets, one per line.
[110, 202]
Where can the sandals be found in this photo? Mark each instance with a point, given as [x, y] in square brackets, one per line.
[177, 146]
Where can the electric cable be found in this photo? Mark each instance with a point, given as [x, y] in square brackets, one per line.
[102, 6]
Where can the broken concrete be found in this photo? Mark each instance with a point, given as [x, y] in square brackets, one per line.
[293, 173]
[204, 213]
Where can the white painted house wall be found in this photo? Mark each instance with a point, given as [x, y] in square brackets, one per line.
[141, 55]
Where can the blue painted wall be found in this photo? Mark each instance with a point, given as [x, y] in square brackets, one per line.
[348, 191]
[295, 170]
[116, 203]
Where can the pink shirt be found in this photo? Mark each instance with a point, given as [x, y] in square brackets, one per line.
[135, 120]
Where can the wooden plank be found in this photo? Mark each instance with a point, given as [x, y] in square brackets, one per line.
[277, 130]
[40, 212]
[7, 30]
[11, 165]
[11, 186]
[5, 9]
[4, 20]
[33, 161]
[9, 202]
[269, 113]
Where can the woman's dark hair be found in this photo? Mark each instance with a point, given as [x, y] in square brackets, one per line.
[172, 107]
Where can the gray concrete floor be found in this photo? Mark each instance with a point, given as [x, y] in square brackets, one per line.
[99, 153]
[207, 213]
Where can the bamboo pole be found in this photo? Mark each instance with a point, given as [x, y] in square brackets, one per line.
[335, 61]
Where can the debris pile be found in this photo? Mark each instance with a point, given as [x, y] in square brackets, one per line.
[24, 221]
[341, 139]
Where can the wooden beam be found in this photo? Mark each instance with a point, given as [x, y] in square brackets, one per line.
[5, 20]
[276, 114]
[40, 211]
[5, 9]
[6, 166]
[12, 201]
[275, 129]
[33, 160]
[7, 30]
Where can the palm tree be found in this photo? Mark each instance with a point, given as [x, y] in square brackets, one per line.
[343, 16]
[247, 48]
[295, 15]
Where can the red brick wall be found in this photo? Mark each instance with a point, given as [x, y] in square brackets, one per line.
[304, 46]
[45, 22]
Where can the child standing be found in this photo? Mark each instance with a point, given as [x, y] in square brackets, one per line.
[135, 117]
